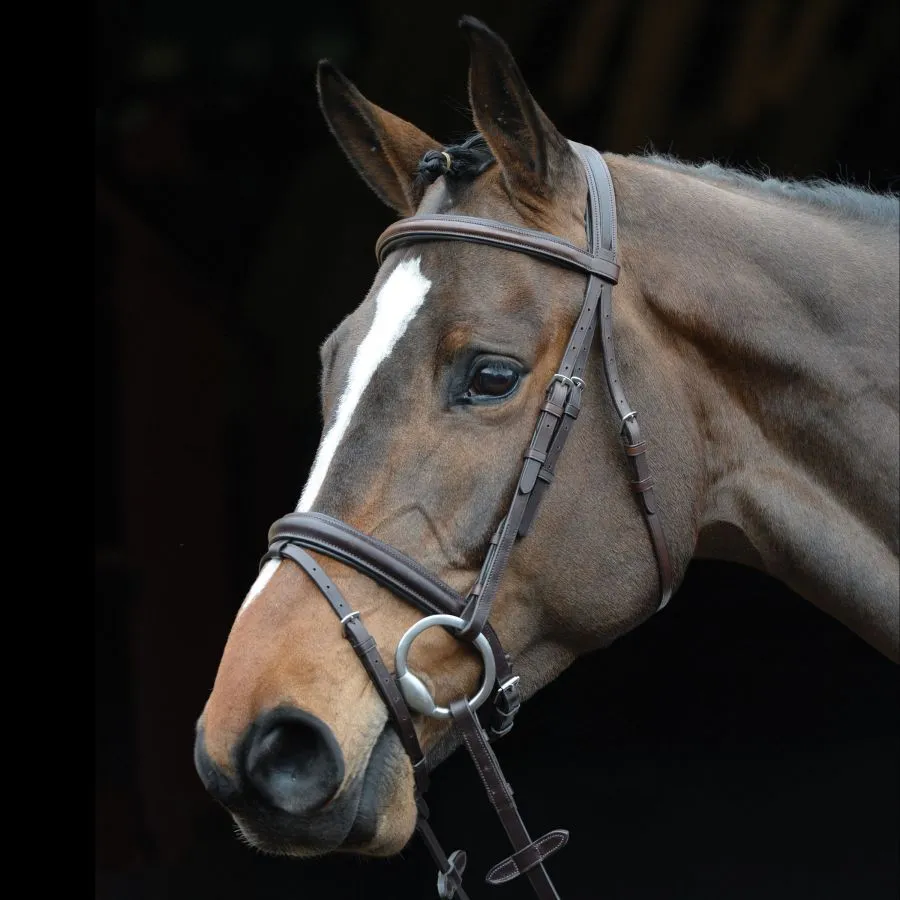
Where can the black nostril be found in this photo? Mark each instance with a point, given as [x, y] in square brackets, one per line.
[294, 761]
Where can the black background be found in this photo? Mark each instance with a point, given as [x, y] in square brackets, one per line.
[740, 744]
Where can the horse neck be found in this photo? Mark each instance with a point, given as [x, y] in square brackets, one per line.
[771, 329]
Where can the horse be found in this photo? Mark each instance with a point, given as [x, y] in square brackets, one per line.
[756, 327]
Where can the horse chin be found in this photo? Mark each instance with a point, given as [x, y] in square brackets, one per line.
[373, 816]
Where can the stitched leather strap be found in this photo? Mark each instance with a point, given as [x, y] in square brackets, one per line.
[381, 562]
[529, 856]
[523, 860]
[497, 234]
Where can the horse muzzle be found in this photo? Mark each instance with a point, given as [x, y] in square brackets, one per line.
[286, 787]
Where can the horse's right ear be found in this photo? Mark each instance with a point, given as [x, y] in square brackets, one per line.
[383, 148]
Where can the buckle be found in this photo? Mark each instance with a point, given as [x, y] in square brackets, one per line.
[573, 382]
[450, 880]
[346, 620]
[507, 703]
[624, 431]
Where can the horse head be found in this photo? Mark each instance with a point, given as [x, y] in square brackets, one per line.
[430, 392]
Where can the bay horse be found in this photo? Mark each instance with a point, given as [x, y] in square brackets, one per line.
[756, 326]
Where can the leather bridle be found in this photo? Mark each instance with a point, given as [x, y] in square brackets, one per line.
[468, 618]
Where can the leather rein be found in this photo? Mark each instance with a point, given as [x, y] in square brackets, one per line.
[468, 618]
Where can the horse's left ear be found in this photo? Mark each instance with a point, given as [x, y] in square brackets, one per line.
[532, 154]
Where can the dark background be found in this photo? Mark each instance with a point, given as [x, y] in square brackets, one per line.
[739, 745]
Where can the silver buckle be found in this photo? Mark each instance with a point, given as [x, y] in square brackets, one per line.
[572, 382]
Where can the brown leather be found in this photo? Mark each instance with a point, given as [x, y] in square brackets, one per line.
[481, 597]
[530, 855]
[636, 453]
[383, 563]
[525, 859]
[497, 234]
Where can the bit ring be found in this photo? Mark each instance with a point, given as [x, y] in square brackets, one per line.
[416, 695]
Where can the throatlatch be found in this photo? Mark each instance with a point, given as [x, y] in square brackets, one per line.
[491, 712]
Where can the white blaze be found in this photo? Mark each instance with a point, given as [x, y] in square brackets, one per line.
[396, 305]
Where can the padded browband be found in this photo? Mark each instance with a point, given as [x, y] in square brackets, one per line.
[497, 234]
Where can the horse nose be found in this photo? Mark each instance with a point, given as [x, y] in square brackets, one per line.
[293, 761]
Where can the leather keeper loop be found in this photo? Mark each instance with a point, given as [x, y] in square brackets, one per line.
[643, 485]
[528, 857]
[529, 474]
[636, 449]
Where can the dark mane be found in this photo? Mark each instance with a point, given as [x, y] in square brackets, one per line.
[845, 200]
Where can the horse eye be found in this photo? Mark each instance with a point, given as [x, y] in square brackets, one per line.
[492, 380]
